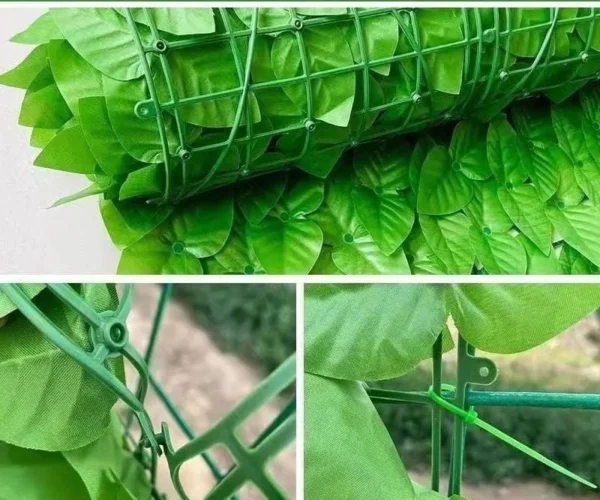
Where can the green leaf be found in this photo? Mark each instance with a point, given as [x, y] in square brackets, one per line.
[303, 196]
[286, 247]
[422, 148]
[268, 17]
[508, 156]
[387, 217]
[326, 49]
[580, 227]
[511, 318]
[527, 42]
[237, 255]
[40, 137]
[383, 166]
[568, 190]
[537, 262]
[7, 306]
[74, 77]
[421, 257]
[37, 375]
[337, 458]
[154, 255]
[485, 210]
[44, 106]
[336, 345]
[448, 237]
[32, 474]
[325, 264]
[572, 262]
[204, 225]
[442, 188]
[42, 30]
[526, 210]
[257, 199]
[102, 37]
[468, 148]
[101, 138]
[139, 137]
[68, 151]
[500, 253]
[128, 222]
[91, 190]
[544, 174]
[189, 21]
[23, 75]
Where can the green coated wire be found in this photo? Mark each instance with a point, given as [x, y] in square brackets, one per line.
[470, 417]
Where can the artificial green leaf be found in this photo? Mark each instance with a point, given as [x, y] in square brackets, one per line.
[568, 191]
[336, 345]
[420, 256]
[74, 77]
[442, 188]
[526, 210]
[40, 137]
[325, 264]
[468, 149]
[500, 253]
[102, 37]
[188, 21]
[256, 202]
[286, 247]
[139, 136]
[572, 262]
[510, 318]
[154, 255]
[325, 11]
[337, 458]
[508, 156]
[303, 196]
[37, 375]
[68, 151]
[22, 76]
[204, 225]
[40, 475]
[387, 217]
[30, 290]
[44, 106]
[237, 255]
[101, 138]
[326, 49]
[383, 166]
[527, 42]
[91, 190]
[580, 228]
[544, 174]
[422, 148]
[448, 237]
[268, 17]
[42, 30]
[485, 210]
[537, 262]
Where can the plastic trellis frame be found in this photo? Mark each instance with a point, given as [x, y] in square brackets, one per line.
[480, 89]
[110, 338]
[461, 400]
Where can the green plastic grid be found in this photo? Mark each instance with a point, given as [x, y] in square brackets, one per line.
[109, 337]
[523, 81]
[461, 400]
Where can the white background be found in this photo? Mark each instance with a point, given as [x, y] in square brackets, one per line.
[34, 239]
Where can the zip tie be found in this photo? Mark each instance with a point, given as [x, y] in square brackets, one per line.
[470, 417]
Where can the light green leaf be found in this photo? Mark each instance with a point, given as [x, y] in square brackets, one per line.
[23, 75]
[303, 196]
[572, 262]
[485, 210]
[537, 262]
[74, 77]
[383, 166]
[510, 318]
[203, 225]
[139, 137]
[326, 49]
[128, 222]
[336, 345]
[468, 148]
[189, 21]
[442, 188]
[91, 190]
[325, 264]
[448, 237]
[268, 17]
[422, 148]
[36, 375]
[237, 255]
[257, 198]
[421, 257]
[500, 253]
[568, 190]
[102, 37]
[101, 138]
[68, 151]
[42, 30]
[325, 11]
[527, 42]
[526, 210]
[387, 217]
[580, 227]
[508, 156]
[337, 458]
[30, 290]
[544, 173]
[40, 137]
[286, 247]
[44, 106]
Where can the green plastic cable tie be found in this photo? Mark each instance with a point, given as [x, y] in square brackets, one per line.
[471, 417]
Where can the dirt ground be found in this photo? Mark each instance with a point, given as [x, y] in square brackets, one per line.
[206, 384]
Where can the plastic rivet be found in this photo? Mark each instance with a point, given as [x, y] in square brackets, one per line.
[142, 110]
[184, 154]
[117, 332]
[417, 98]
[348, 238]
[448, 116]
[160, 46]
[284, 216]
[244, 172]
[456, 165]
[248, 269]
[509, 185]
[484, 371]
[584, 56]
[487, 230]
[298, 24]
[178, 247]
[579, 163]
[503, 75]
[489, 35]
[310, 125]
[561, 205]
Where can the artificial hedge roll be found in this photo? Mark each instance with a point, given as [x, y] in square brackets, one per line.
[162, 104]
